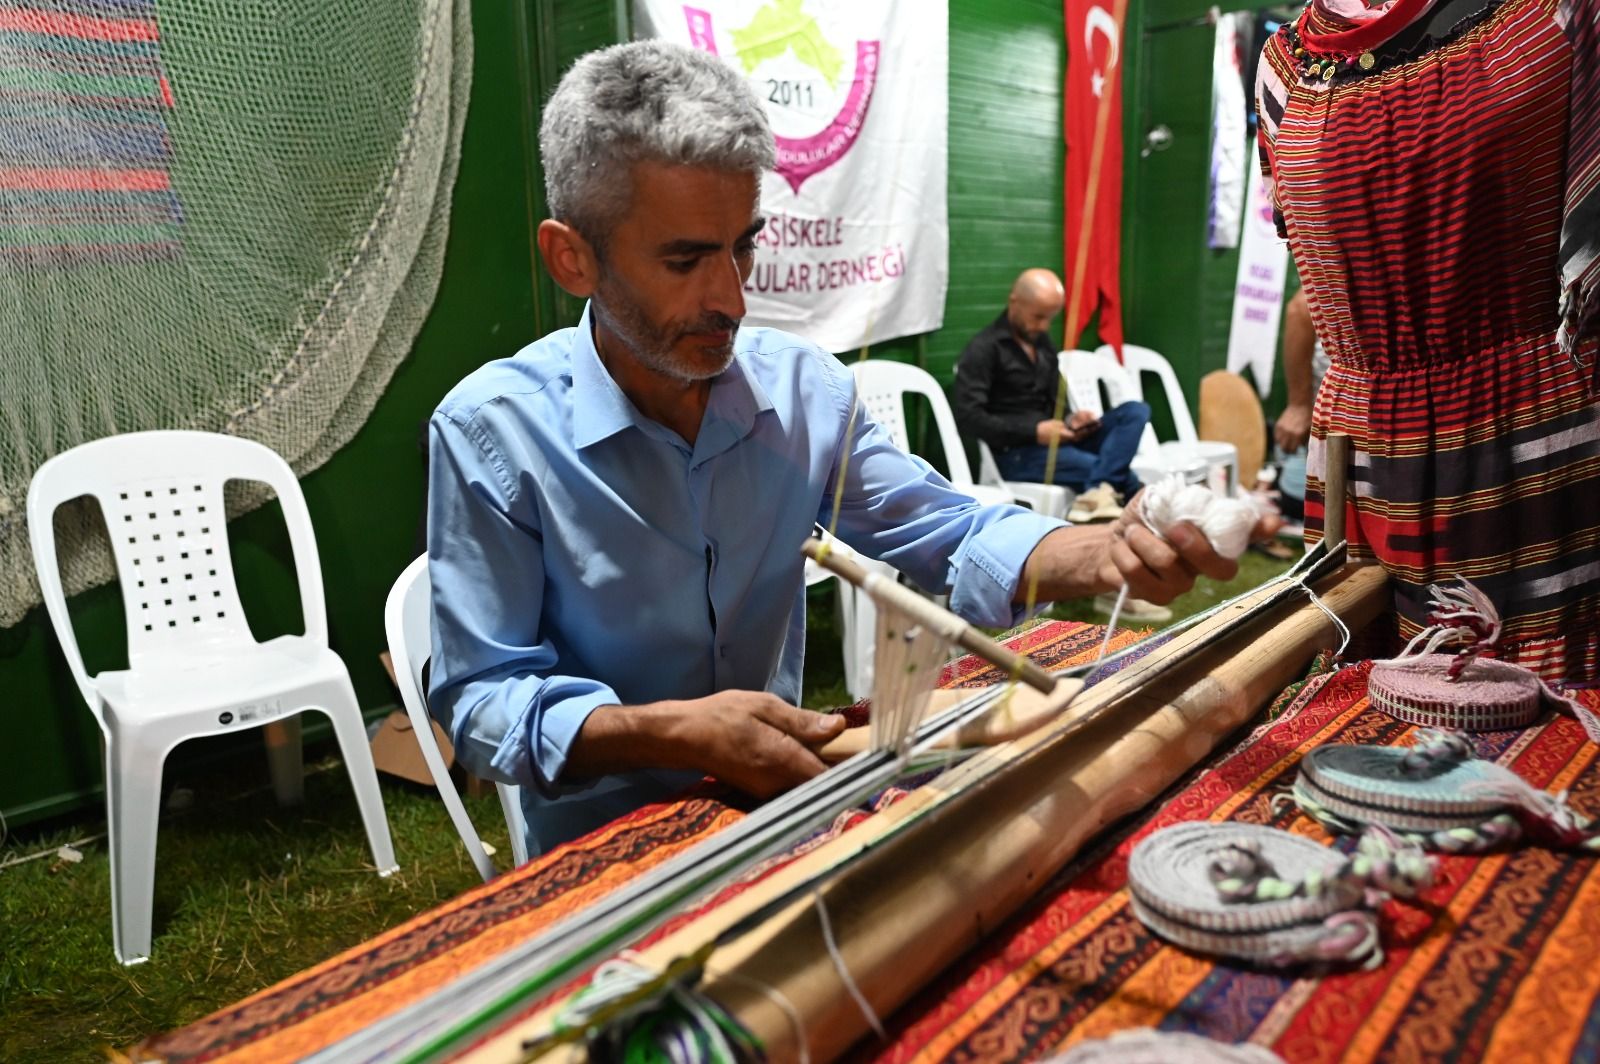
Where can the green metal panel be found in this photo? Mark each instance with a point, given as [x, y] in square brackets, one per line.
[1165, 244]
[1006, 160]
[1177, 292]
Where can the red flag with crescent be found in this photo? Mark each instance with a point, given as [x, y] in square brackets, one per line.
[1093, 128]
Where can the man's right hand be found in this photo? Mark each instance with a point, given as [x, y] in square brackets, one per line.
[751, 740]
[1081, 423]
[756, 741]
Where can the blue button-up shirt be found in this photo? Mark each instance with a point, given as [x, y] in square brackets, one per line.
[583, 555]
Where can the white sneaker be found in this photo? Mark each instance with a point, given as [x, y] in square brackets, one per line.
[1134, 609]
[1096, 504]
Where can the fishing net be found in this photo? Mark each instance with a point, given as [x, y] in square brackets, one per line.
[218, 216]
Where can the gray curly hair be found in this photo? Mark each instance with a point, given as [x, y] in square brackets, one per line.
[647, 100]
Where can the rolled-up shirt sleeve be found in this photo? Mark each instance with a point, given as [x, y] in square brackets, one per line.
[898, 509]
[495, 684]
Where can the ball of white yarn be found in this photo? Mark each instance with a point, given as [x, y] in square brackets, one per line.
[1227, 523]
[1171, 501]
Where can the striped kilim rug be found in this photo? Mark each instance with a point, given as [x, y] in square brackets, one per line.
[85, 152]
[1495, 963]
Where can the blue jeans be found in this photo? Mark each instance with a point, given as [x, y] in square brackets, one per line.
[1102, 457]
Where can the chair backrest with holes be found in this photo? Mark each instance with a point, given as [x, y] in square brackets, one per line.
[1086, 371]
[1140, 360]
[883, 386]
[161, 494]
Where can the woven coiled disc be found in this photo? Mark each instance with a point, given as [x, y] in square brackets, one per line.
[1169, 878]
[1490, 695]
[1371, 785]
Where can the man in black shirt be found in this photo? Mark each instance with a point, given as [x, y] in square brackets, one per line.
[1005, 394]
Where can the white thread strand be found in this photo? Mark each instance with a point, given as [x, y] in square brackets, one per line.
[1226, 524]
[844, 972]
[909, 657]
[1339, 625]
[1111, 625]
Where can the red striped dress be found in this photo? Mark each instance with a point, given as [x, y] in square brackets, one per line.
[1419, 161]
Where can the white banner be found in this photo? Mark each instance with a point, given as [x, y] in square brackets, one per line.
[1258, 295]
[856, 247]
[1229, 136]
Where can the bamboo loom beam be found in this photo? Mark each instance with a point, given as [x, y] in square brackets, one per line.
[908, 909]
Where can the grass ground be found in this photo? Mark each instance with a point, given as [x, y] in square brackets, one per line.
[247, 893]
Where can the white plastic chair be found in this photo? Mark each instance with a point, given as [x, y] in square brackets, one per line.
[1052, 500]
[1217, 453]
[1086, 373]
[883, 385]
[407, 621]
[193, 666]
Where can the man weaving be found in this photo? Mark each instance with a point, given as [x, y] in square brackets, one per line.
[616, 511]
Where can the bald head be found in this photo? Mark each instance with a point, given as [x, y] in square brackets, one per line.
[1036, 298]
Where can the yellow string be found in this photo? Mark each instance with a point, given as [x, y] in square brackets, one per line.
[1074, 305]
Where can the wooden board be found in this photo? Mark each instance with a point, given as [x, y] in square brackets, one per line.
[1230, 411]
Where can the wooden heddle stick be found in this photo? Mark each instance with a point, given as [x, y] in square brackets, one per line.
[1016, 715]
[941, 621]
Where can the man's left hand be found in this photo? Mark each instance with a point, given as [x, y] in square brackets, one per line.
[1090, 559]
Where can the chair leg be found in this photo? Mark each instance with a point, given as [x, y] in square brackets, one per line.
[864, 637]
[286, 760]
[351, 732]
[516, 825]
[133, 807]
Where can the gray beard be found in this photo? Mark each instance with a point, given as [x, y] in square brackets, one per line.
[652, 347]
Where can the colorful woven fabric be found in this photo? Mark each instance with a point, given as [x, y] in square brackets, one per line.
[85, 153]
[1494, 963]
[1496, 959]
[321, 1005]
[1421, 169]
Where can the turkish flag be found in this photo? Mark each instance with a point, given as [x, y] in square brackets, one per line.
[1093, 87]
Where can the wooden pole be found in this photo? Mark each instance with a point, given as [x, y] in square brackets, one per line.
[1335, 486]
[890, 594]
[919, 898]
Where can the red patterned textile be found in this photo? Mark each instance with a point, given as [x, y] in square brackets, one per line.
[1495, 962]
[318, 1007]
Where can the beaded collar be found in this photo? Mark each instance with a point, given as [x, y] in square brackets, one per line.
[1345, 55]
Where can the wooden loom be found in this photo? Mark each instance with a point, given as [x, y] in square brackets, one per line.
[915, 885]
